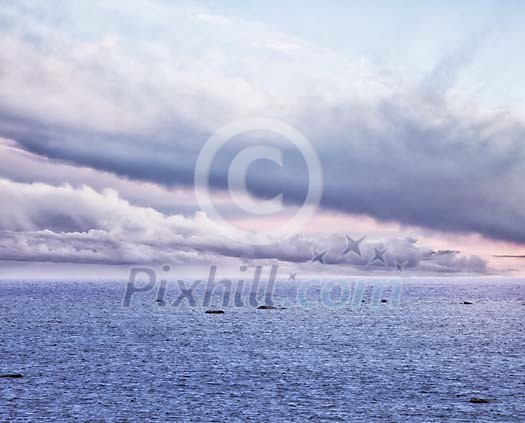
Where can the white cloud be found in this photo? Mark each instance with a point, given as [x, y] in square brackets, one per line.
[212, 18]
[81, 225]
[286, 46]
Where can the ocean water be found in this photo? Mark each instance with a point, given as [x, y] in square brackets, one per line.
[87, 358]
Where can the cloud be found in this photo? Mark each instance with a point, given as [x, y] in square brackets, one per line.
[140, 98]
[81, 225]
[285, 46]
[19, 165]
[211, 18]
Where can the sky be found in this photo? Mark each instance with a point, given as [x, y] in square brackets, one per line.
[415, 115]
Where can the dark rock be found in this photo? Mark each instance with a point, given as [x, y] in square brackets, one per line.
[476, 400]
[214, 312]
[12, 375]
[384, 301]
[467, 302]
[270, 307]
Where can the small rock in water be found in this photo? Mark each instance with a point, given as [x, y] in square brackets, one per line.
[214, 312]
[384, 301]
[269, 307]
[12, 375]
[476, 400]
[467, 302]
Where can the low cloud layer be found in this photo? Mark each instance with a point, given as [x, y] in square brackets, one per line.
[81, 225]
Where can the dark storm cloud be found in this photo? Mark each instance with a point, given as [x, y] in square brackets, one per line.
[459, 176]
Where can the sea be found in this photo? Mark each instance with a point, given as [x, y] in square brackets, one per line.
[423, 355]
